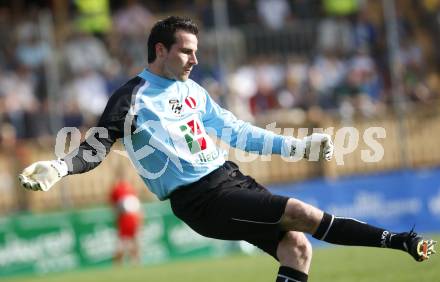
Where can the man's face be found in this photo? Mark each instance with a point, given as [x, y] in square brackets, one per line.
[179, 60]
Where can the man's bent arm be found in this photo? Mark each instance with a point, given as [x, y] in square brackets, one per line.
[88, 156]
[111, 126]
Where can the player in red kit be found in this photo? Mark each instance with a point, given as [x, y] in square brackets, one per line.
[127, 207]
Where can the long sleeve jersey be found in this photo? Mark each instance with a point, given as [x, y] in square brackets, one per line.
[166, 128]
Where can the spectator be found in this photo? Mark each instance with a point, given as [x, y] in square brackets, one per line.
[85, 52]
[93, 16]
[18, 90]
[31, 51]
[294, 91]
[6, 48]
[273, 13]
[88, 91]
[133, 19]
[335, 35]
[370, 83]
[325, 74]
[242, 85]
[242, 12]
[130, 24]
[364, 31]
[265, 99]
[340, 7]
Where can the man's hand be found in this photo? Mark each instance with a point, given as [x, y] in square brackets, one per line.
[315, 147]
[318, 146]
[41, 176]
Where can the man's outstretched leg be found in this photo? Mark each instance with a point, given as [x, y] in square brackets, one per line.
[303, 217]
[295, 255]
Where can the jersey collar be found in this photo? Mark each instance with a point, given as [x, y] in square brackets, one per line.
[156, 79]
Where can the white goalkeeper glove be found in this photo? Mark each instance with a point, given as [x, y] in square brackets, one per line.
[318, 146]
[41, 176]
[314, 147]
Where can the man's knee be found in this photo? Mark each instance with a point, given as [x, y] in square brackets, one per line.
[300, 216]
[294, 249]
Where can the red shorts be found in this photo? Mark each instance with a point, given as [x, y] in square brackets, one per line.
[128, 225]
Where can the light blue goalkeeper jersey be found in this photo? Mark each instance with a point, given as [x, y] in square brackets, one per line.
[171, 146]
[165, 125]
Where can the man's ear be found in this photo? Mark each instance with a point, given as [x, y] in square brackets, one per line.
[160, 50]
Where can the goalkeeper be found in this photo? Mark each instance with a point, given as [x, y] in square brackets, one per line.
[163, 118]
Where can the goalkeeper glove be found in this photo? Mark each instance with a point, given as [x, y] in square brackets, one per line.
[314, 147]
[41, 176]
[318, 145]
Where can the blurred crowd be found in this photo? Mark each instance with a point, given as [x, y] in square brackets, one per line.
[59, 75]
[348, 73]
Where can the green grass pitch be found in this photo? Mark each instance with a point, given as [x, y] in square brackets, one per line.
[335, 264]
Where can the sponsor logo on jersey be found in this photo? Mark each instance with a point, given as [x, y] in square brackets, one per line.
[191, 141]
[176, 106]
[193, 136]
[191, 102]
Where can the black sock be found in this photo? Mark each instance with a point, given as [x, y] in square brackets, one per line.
[288, 274]
[351, 232]
[396, 240]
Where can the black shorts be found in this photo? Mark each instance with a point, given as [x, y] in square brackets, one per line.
[228, 205]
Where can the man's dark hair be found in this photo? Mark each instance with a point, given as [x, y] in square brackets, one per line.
[164, 32]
